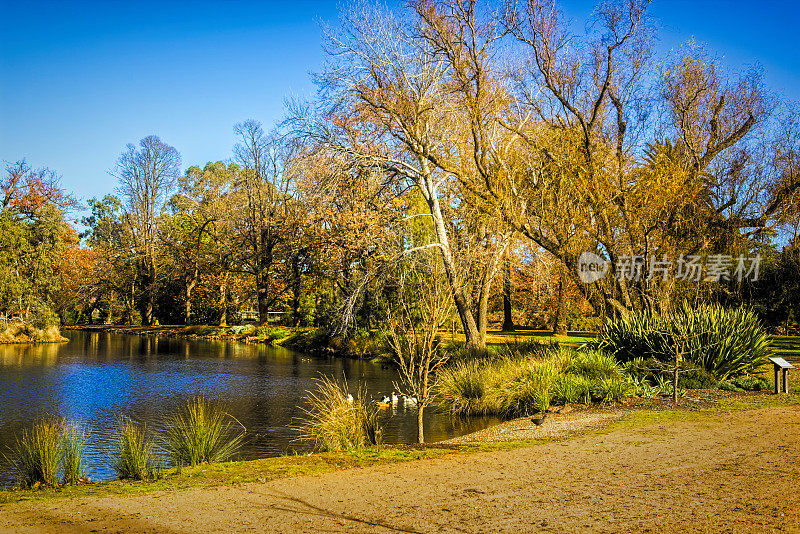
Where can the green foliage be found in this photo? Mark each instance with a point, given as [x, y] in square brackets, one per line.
[745, 383]
[723, 342]
[36, 455]
[271, 333]
[572, 389]
[73, 443]
[243, 330]
[613, 389]
[32, 247]
[201, 432]
[47, 450]
[728, 386]
[594, 365]
[335, 422]
[133, 456]
[528, 379]
[697, 379]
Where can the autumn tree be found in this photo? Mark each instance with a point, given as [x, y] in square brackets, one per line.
[198, 233]
[32, 241]
[146, 175]
[388, 106]
[265, 193]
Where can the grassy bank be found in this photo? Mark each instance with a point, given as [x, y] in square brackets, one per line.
[232, 473]
[24, 333]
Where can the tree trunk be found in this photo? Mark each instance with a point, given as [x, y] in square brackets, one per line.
[263, 283]
[420, 426]
[508, 319]
[187, 312]
[149, 293]
[110, 314]
[471, 335]
[223, 301]
[560, 319]
[486, 290]
[296, 290]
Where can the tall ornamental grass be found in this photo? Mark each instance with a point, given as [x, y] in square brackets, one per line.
[202, 432]
[529, 380]
[73, 444]
[49, 451]
[335, 421]
[724, 342]
[133, 455]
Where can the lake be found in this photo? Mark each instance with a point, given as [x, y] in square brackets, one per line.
[98, 378]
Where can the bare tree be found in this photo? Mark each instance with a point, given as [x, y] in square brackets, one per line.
[423, 306]
[388, 106]
[266, 191]
[146, 175]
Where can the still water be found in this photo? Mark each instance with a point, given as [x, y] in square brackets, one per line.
[97, 378]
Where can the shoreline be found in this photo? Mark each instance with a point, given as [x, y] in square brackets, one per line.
[578, 422]
[651, 471]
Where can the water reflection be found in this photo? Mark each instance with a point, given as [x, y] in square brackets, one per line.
[97, 378]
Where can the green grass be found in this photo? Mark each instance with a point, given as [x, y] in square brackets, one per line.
[133, 455]
[526, 378]
[201, 432]
[231, 473]
[787, 347]
[73, 443]
[36, 456]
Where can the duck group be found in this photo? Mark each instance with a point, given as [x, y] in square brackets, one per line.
[393, 400]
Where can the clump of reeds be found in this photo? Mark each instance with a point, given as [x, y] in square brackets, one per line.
[133, 456]
[73, 444]
[49, 450]
[202, 432]
[334, 420]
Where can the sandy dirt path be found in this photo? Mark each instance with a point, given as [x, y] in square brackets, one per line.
[737, 472]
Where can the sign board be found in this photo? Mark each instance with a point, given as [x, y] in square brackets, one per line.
[780, 362]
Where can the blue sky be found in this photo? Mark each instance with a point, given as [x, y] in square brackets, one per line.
[79, 80]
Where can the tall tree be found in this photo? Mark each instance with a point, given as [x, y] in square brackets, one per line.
[147, 175]
[266, 192]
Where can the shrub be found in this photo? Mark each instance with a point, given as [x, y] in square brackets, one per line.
[697, 379]
[201, 432]
[243, 330]
[728, 386]
[335, 422]
[133, 458]
[723, 342]
[751, 383]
